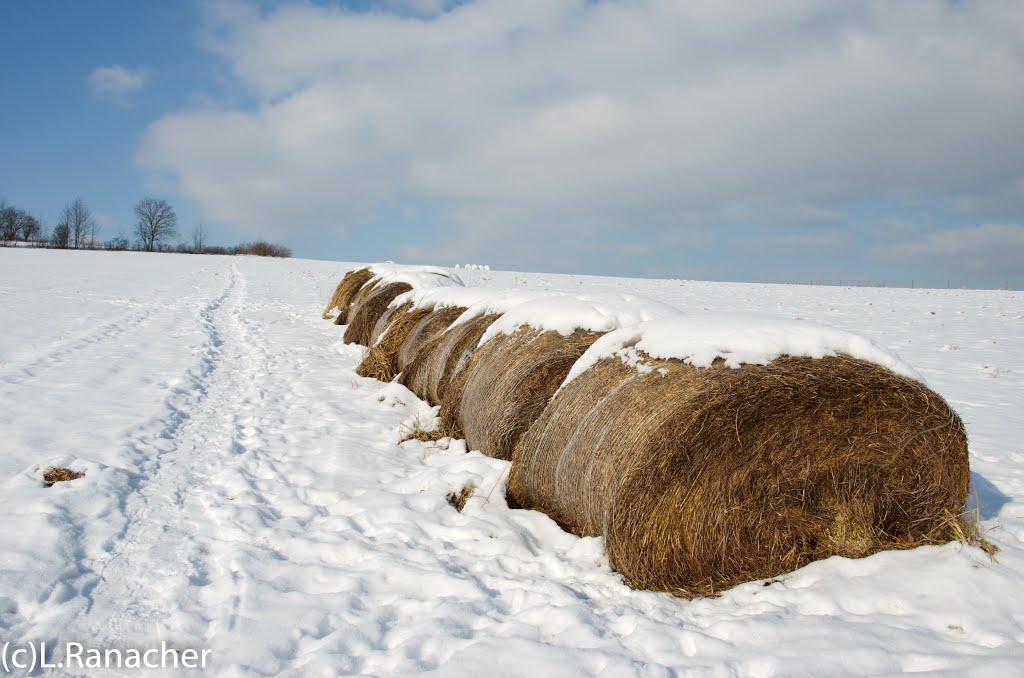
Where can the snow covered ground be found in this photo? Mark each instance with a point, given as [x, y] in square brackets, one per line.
[245, 492]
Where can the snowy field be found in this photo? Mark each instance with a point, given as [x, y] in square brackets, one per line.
[245, 493]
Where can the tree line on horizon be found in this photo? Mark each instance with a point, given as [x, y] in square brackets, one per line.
[155, 230]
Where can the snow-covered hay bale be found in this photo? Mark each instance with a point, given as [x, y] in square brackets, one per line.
[399, 335]
[428, 326]
[702, 476]
[392, 314]
[343, 294]
[507, 384]
[381, 360]
[358, 284]
[369, 305]
[525, 356]
[444, 356]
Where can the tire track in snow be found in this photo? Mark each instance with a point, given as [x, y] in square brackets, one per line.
[103, 335]
[71, 349]
[161, 552]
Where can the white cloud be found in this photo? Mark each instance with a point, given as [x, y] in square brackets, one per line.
[562, 112]
[422, 8]
[116, 82]
[988, 248]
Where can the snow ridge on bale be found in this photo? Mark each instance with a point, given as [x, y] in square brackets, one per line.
[752, 339]
[439, 363]
[524, 356]
[417, 277]
[566, 314]
[388, 281]
[703, 477]
[466, 297]
[477, 301]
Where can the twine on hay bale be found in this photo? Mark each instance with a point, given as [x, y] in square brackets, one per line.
[441, 358]
[402, 331]
[507, 384]
[703, 478]
[390, 316]
[429, 326]
[369, 305]
[344, 293]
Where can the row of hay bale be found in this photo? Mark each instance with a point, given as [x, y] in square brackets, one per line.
[706, 450]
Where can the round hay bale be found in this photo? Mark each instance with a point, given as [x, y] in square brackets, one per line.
[426, 328]
[369, 305]
[357, 299]
[444, 356]
[507, 384]
[381, 360]
[343, 294]
[703, 478]
[384, 323]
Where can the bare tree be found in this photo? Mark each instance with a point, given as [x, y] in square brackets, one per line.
[61, 235]
[5, 215]
[17, 224]
[8, 221]
[31, 228]
[81, 225]
[118, 243]
[157, 223]
[198, 238]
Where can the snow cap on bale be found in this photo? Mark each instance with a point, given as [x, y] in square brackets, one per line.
[524, 356]
[431, 371]
[389, 281]
[478, 298]
[417, 277]
[737, 339]
[566, 313]
[703, 477]
[478, 301]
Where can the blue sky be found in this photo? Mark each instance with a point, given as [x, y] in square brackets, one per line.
[791, 140]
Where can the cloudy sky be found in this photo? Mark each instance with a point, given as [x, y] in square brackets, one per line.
[782, 140]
